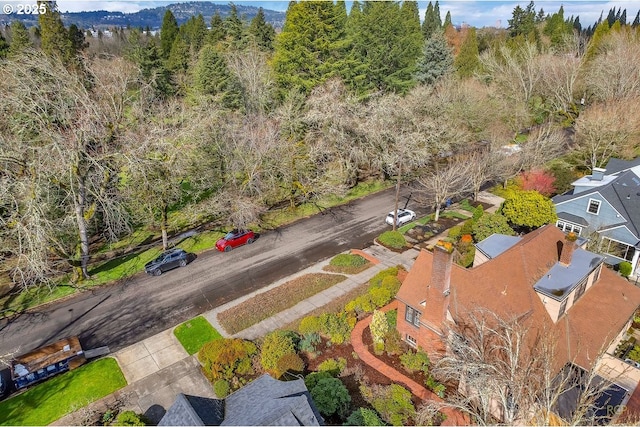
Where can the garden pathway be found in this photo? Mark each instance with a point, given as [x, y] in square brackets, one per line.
[454, 418]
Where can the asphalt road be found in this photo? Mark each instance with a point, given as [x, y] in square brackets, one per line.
[121, 314]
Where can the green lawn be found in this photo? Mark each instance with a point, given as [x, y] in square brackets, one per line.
[54, 398]
[195, 333]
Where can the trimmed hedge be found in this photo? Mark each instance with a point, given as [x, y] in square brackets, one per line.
[347, 264]
[393, 239]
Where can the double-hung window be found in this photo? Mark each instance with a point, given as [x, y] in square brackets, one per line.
[412, 316]
[594, 206]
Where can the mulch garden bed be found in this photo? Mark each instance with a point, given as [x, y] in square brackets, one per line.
[422, 233]
[358, 372]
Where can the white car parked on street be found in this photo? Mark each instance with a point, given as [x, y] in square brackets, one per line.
[404, 216]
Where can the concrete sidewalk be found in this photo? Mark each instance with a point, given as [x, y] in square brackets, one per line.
[158, 368]
[385, 257]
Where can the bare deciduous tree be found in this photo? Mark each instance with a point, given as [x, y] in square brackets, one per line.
[559, 80]
[444, 181]
[515, 71]
[251, 69]
[614, 74]
[509, 373]
[65, 137]
[606, 129]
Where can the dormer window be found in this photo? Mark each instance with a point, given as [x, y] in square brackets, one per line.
[594, 206]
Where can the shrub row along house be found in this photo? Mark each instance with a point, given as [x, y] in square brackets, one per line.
[543, 281]
[605, 206]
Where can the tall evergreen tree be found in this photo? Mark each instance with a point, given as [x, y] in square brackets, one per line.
[341, 13]
[194, 33]
[556, 28]
[178, 60]
[76, 36]
[216, 33]
[410, 17]
[431, 22]
[54, 38]
[436, 13]
[636, 21]
[146, 54]
[385, 48]
[436, 60]
[20, 39]
[168, 33]
[305, 54]
[576, 25]
[600, 31]
[262, 33]
[447, 20]
[4, 47]
[611, 16]
[623, 17]
[234, 29]
[212, 77]
[468, 60]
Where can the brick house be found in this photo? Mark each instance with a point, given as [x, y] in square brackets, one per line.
[544, 277]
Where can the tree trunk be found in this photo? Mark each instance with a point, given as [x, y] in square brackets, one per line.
[163, 226]
[395, 211]
[437, 213]
[80, 202]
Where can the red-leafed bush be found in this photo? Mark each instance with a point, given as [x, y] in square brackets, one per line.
[538, 180]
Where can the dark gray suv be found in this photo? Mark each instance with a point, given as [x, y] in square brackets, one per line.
[166, 261]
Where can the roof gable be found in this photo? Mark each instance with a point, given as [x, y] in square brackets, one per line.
[504, 285]
[190, 410]
[622, 194]
[264, 401]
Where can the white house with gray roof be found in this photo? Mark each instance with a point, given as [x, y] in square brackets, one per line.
[606, 205]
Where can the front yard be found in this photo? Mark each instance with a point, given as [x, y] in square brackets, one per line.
[48, 401]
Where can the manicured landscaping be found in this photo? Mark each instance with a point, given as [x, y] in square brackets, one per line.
[51, 400]
[347, 264]
[392, 239]
[194, 333]
[273, 301]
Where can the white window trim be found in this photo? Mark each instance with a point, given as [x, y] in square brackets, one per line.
[629, 247]
[411, 341]
[568, 226]
[589, 205]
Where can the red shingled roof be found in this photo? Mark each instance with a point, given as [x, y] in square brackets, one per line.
[504, 285]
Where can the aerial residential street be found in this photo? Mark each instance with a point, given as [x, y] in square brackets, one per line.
[121, 314]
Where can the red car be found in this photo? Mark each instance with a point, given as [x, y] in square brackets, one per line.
[235, 238]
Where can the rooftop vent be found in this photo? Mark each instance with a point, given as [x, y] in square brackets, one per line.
[597, 174]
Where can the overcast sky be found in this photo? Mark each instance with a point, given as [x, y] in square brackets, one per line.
[476, 13]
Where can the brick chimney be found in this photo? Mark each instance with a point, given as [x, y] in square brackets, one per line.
[437, 302]
[567, 248]
[441, 270]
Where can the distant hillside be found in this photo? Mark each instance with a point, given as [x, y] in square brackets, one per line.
[151, 18]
